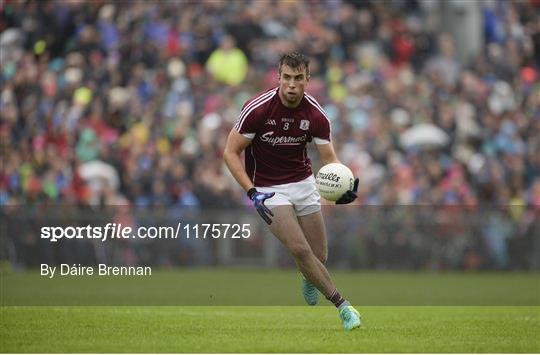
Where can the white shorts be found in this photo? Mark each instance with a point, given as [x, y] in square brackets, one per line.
[303, 195]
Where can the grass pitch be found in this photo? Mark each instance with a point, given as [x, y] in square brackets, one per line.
[269, 329]
[262, 287]
[224, 311]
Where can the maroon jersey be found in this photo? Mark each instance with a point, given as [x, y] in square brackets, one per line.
[277, 153]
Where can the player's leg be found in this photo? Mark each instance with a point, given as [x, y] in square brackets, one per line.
[313, 227]
[307, 205]
[286, 228]
[315, 232]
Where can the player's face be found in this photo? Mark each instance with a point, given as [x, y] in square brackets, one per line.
[292, 83]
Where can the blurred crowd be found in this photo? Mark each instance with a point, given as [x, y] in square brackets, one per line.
[152, 89]
[132, 101]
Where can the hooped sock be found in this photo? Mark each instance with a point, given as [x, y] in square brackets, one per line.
[337, 300]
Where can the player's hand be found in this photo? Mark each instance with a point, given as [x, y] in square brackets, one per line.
[349, 196]
[258, 199]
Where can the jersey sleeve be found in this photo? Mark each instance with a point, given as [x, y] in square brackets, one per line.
[321, 133]
[248, 122]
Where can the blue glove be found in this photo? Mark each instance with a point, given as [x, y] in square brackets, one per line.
[349, 196]
[258, 199]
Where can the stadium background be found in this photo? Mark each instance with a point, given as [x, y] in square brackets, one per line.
[108, 104]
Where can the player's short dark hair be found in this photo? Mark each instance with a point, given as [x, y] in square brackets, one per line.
[295, 60]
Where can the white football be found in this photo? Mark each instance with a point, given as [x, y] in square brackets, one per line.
[333, 180]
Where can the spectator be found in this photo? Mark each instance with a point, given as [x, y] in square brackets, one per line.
[228, 64]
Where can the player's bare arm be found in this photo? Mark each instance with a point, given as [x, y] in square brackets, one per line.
[327, 153]
[236, 144]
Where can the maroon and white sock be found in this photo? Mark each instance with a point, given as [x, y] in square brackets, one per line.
[337, 300]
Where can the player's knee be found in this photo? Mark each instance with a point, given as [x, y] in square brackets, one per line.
[300, 251]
